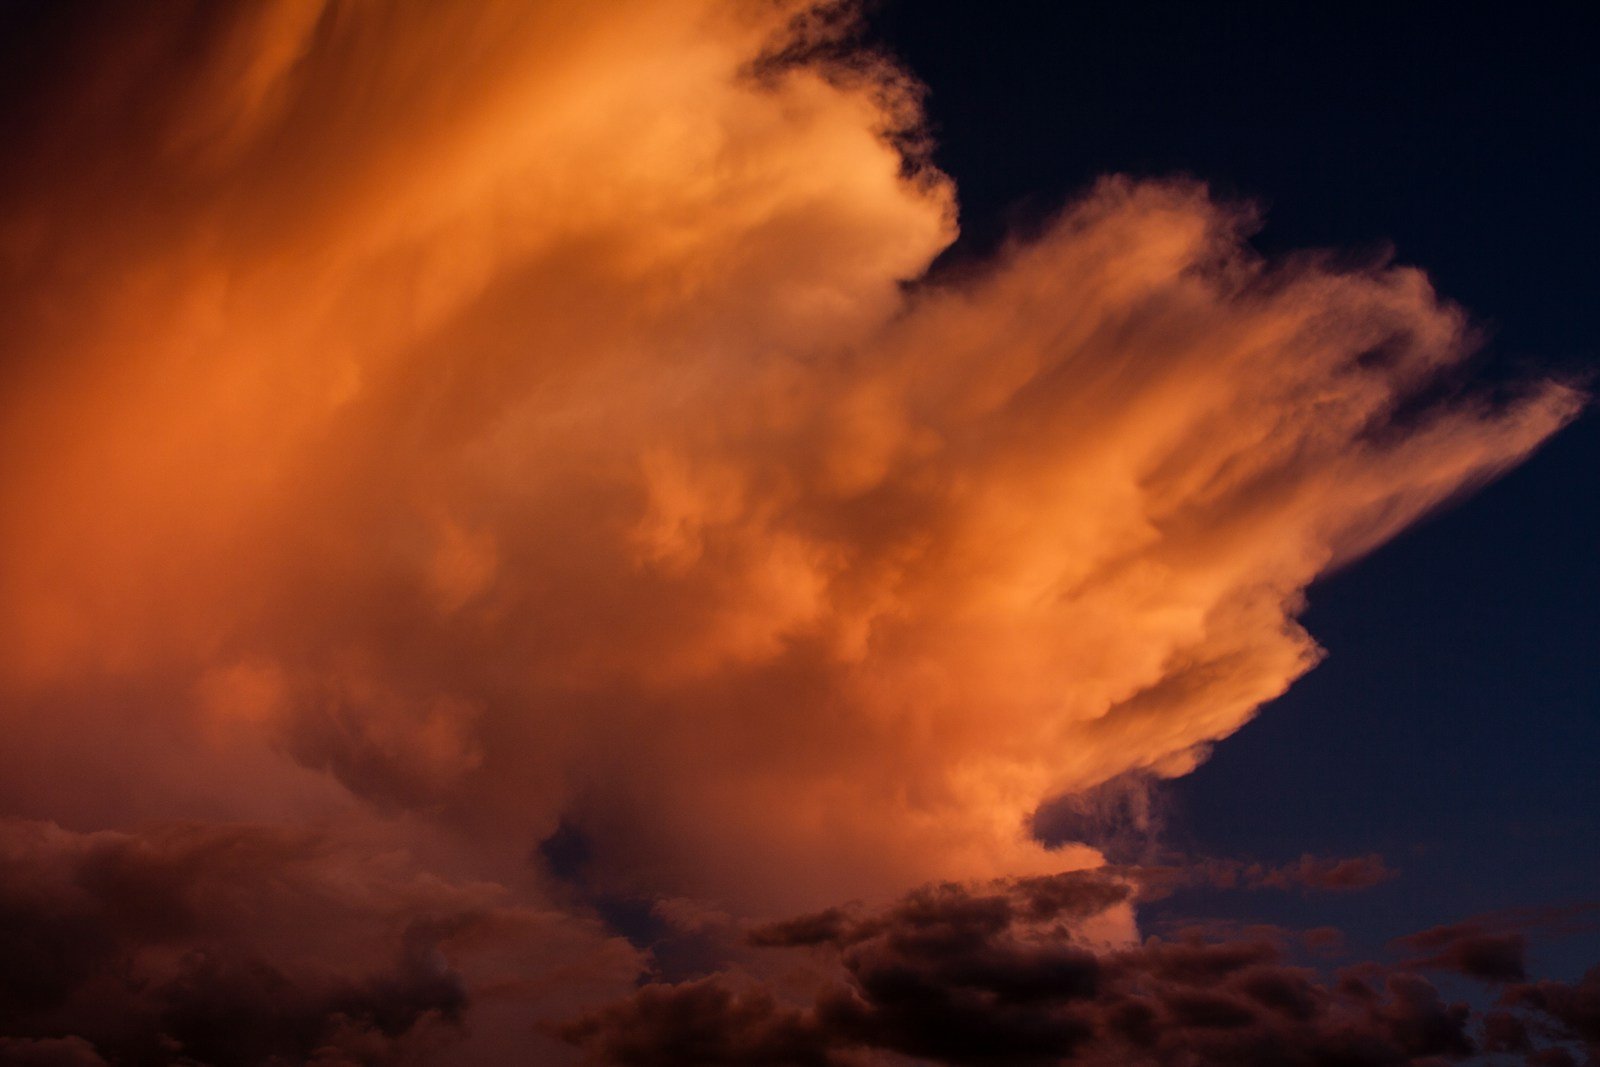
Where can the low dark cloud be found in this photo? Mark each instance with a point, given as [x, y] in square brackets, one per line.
[950, 916]
[48, 1052]
[217, 945]
[1324, 873]
[1005, 974]
[1309, 873]
[1470, 949]
[700, 1022]
[1566, 1011]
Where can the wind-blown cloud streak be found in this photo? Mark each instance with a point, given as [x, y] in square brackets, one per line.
[447, 423]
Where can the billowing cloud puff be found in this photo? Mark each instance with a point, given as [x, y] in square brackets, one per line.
[454, 422]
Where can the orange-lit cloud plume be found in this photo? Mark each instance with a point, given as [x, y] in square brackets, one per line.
[448, 422]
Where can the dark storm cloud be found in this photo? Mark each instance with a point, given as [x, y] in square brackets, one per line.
[996, 975]
[939, 912]
[217, 945]
[701, 1022]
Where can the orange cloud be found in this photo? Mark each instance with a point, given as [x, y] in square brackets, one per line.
[493, 414]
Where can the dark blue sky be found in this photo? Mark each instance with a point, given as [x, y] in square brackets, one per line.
[1455, 726]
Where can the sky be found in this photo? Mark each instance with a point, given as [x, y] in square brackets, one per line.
[697, 532]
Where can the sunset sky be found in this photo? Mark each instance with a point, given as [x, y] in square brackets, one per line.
[727, 532]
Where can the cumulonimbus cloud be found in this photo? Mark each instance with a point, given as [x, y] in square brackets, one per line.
[474, 417]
